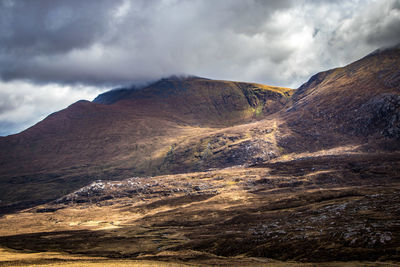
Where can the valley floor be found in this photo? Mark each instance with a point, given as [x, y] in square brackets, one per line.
[316, 210]
[15, 258]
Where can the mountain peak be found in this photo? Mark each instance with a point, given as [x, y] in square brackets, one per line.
[177, 85]
[117, 94]
[385, 49]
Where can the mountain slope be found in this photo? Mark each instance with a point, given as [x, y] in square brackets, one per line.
[355, 104]
[201, 101]
[132, 136]
[177, 125]
[235, 182]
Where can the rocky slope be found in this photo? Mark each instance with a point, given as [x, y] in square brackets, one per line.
[355, 104]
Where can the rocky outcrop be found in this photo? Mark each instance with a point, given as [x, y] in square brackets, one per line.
[381, 112]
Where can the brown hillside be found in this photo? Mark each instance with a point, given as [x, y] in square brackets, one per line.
[356, 104]
[178, 125]
[133, 136]
[221, 173]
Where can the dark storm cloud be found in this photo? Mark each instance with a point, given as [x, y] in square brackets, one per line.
[384, 27]
[378, 25]
[113, 42]
[34, 31]
[118, 41]
[47, 27]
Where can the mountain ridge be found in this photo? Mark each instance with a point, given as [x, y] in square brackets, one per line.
[193, 124]
[215, 172]
[133, 136]
[357, 103]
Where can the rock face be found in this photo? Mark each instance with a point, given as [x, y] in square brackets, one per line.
[381, 112]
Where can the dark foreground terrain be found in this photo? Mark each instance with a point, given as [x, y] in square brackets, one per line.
[316, 209]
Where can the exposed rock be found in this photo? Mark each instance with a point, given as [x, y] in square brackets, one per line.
[381, 112]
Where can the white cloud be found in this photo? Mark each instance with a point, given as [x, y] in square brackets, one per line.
[23, 104]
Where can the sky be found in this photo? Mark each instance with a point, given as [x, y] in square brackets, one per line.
[55, 52]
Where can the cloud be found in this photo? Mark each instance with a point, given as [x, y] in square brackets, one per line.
[375, 25]
[114, 42]
[23, 104]
[47, 27]
[92, 44]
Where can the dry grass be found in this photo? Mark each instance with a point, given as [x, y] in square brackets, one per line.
[214, 217]
[16, 258]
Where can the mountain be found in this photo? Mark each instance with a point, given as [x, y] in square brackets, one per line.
[197, 171]
[358, 104]
[177, 125]
[134, 133]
